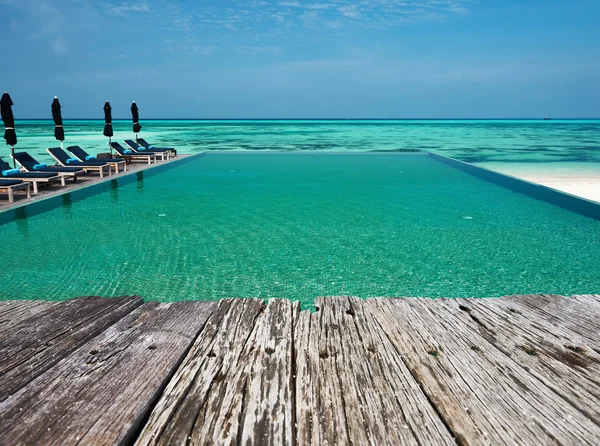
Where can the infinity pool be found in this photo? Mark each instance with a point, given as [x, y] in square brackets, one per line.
[297, 225]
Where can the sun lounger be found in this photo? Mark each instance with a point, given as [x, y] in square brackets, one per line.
[65, 160]
[30, 164]
[163, 154]
[83, 156]
[9, 186]
[142, 142]
[33, 177]
[131, 155]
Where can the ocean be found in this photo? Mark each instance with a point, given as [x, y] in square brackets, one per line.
[531, 144]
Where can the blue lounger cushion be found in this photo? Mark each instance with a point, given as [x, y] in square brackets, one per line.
[123, 151]
[72, 160]
[10, 172]
[154, 148]
[5, 166]
[145, 150]
[10, 182]
[61, 169]
[90, 157]
[34, 175]
[39, 166]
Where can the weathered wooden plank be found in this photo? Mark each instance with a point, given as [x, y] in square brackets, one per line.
[413, 411]
[266, 409]
[191, 408]
[555, 356]
[42, 340]
[578, 314]
[253, 404]
[588, 299]
[13, 312]
[102, 392]
[352, 386]
[484, 396]
[320, 411]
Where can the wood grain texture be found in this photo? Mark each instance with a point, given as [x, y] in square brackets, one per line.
[266, 410]
[559, 358]
[235, 386]
[102, 392]
[320, 411]
[578, 314]
[193, 404]
[484, 396]
[51, 332]
[14, 312]
[352, 386]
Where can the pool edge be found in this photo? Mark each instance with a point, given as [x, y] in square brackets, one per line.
[95, 182]
[574, 203]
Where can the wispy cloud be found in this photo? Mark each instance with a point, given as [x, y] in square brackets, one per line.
[251, 27]
[262, 17]
[59, 45]
[372, 12]
[44, 22]
[14, 25]
[123, 9]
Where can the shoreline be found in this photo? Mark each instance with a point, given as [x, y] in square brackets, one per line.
[580, 180]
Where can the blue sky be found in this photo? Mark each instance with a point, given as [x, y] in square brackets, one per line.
[293, 58]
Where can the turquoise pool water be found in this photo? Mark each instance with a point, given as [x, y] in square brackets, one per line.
[298, 225]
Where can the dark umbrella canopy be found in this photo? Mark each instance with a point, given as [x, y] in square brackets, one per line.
[135, 115]
[9, 121]
[108, 130]
[59, 132]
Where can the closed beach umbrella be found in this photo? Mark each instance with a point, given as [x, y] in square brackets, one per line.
[108, 130]
[135, 115]
[9, 122]
[59, 132]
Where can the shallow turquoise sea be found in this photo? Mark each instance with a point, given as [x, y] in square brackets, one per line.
[298, 225]
[531, 142]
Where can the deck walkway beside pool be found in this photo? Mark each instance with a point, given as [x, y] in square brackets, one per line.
[83, 182]
[515, 370]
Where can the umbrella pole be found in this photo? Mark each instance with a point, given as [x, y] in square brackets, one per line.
[110, 147]
[13, 156]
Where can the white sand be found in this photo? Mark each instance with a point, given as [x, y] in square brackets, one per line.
[575, 179]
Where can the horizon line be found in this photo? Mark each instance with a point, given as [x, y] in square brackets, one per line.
[325, 119]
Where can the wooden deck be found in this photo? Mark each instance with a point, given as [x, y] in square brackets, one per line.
[516, 370]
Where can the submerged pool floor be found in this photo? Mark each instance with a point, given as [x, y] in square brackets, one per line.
[298, 225]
